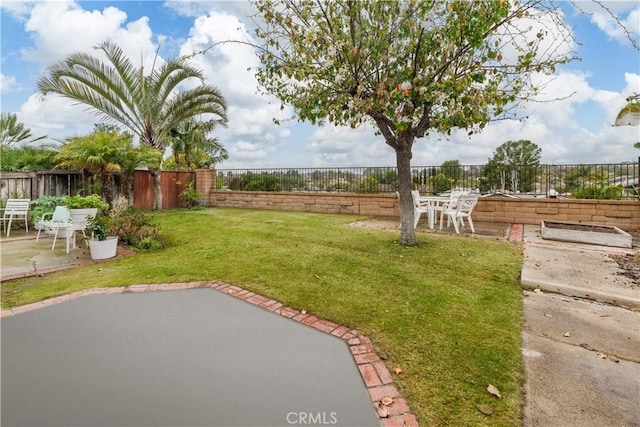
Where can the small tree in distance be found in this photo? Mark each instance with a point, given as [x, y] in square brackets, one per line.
[407, 67]
[513, 167]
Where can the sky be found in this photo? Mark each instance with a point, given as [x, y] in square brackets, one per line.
[578, 129]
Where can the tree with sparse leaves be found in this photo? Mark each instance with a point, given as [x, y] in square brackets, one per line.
[408, 67]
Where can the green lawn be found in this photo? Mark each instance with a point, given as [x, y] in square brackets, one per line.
[448, 312]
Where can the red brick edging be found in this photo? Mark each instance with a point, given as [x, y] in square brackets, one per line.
[516, 233]
[374, 372]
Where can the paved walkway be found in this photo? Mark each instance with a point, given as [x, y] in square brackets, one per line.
[581, 337]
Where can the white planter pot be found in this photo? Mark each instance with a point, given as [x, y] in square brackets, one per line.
[103, 249]
[79, 217]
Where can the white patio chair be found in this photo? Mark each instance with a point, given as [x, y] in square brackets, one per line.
[463, 209]
[60, 220]
[18, 209]
[418, 208]
[448, 205]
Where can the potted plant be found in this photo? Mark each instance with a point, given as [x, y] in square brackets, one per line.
[83, 207]
[101, 244]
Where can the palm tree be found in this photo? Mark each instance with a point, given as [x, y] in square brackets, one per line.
[148, 105]
[27, 158]
[96, 154]
[190, 138]
[12, 131]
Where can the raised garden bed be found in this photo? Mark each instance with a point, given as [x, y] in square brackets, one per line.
[603, 235]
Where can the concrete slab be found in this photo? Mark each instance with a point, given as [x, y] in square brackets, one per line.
[196, 357]
[575, 380]
[576, 269]
[20, 254]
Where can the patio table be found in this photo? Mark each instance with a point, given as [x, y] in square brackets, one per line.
[434, 204]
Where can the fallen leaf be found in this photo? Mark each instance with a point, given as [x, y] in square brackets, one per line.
[398, 370]
[304, 312]
[566, 334]
[537, 291]
[587, 346]
[494, 390]
[614, 359]
[548, 315]
[384, 356]
[386, 401]
[382, 411]
[485, 409]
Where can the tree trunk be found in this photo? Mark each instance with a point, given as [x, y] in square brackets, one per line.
[157, 188]
[405, 185]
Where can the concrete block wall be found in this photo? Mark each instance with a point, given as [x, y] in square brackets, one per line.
[624, 214]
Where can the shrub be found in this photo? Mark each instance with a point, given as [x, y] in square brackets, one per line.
[43, 205]
[190, 196]
[149, 244]
[440, 183]
[369, 185]
[604, 192]
[84, 202]
[132, 226]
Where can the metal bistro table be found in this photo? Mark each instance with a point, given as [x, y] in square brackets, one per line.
[434, 204]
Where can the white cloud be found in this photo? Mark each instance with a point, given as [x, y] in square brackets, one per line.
[608, 16]
[251, 134]
[8, 83]
[17, 9]
[56, 117]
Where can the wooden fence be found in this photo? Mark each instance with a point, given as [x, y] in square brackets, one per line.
[35, 184]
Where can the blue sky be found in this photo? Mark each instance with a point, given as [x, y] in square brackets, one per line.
[575, 130]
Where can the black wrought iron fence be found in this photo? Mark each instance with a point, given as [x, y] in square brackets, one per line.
[595, 181]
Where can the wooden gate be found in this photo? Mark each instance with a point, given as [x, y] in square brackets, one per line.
[173, 183]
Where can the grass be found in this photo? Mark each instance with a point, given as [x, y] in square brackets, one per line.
[448, 312]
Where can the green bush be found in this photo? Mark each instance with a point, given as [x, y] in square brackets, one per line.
[190, 196]
[149, 244]
[43, 205]
[440, 183]
[603, 192]
[132, 226]
[369, 185]
[260, 182]
[84, 202]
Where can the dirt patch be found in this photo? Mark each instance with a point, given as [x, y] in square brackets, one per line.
[581, 227]
[630, 265]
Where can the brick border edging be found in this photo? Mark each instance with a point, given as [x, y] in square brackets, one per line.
[516, 233]
[374, 373]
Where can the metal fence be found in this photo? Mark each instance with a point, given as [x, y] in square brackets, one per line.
[588, 181]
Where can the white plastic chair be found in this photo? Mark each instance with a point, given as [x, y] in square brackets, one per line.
[418, 208]
[16, 208]
[448, 205]
[60, 220]
[462, 210]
